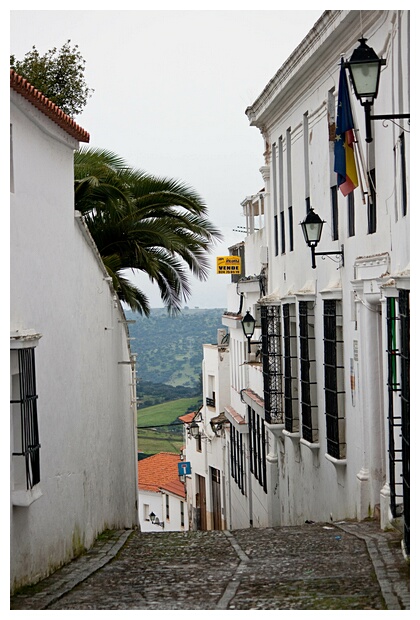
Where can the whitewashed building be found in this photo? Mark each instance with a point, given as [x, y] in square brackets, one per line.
[162, 505]
[72, 385]
[319, 407]
[205, 443]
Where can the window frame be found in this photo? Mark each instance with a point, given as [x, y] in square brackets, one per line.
[308, 395]
[237, 458]
[25, 440]
[334, 379]
[257, 447]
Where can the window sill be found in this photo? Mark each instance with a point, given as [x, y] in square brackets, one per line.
[293, 436]
[336, 462]
[308, 444]
[276, 429]
[25, 498]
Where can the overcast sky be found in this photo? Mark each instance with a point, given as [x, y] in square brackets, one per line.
[171, 89]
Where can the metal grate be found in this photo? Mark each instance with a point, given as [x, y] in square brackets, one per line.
[404, 303]
[256, 428]
[291, 420]
[398, 352]
[271, 362]
[333, 382]
[29, 437]
[237, 458]
[394, 419]
[307, 374]
[211, 402]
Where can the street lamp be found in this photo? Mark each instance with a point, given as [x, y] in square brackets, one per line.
[194, 430]
[248, 326]
[365, 68]
[312, 230]
[155, 520]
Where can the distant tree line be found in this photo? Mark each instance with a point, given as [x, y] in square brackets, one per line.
[150, 394]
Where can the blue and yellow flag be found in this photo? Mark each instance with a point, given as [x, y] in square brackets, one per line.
[344, 160]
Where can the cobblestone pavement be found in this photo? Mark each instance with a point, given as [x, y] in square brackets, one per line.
[343, 566]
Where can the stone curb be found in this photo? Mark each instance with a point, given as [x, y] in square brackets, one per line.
[71, 575]
[395, 592]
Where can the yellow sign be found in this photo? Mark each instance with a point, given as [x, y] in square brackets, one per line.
[228, 264]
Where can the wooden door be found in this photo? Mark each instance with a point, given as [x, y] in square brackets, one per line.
[216, 501]
[201, 503]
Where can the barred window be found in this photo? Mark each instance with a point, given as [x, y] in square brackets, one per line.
[398, 352]
[308, 372]
[291, 416]
[271, 362]
[237, 458]
[334, 379]
[26, 446]
[257, 444]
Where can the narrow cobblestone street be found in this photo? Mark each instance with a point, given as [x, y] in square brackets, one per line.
[342, 566]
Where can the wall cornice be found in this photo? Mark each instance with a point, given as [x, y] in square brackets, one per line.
[335, 33]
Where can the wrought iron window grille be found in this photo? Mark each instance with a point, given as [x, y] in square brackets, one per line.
[398, 354]
[309, 409]
[237, 458]
[257, 445]
[291, 416]
[334, 380]
[272, 363]
[27, 445]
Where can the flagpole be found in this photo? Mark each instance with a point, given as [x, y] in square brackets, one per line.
[360, 162]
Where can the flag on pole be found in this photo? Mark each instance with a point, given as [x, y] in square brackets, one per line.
[344, 160]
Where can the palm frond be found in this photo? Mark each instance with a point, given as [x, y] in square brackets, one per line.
[143, 223]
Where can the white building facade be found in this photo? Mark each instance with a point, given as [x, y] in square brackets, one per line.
[162, 501]
[73, 407]
[205, 444]
[319, 406]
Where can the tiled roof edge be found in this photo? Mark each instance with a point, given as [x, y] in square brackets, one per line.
[47, 107]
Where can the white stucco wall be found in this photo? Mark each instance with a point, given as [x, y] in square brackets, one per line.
[312, 486]
[155, 501]
[303, 482]
[84, 383]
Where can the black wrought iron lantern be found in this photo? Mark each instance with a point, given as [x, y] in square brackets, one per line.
[194, 430]
[365, 70]
[248, 326]
[312, 230]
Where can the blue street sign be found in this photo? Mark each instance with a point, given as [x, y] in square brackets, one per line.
[184, 468]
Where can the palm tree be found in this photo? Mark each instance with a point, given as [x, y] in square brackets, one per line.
[146, 223]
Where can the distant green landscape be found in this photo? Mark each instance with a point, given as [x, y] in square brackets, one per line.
[169, 384]
[170, 349]
[159, 429]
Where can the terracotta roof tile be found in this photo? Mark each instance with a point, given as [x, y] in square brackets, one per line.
[254, 397]
[47, 107]
[187, 418]
[158, 471]
[176, 487]
[235, 415]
